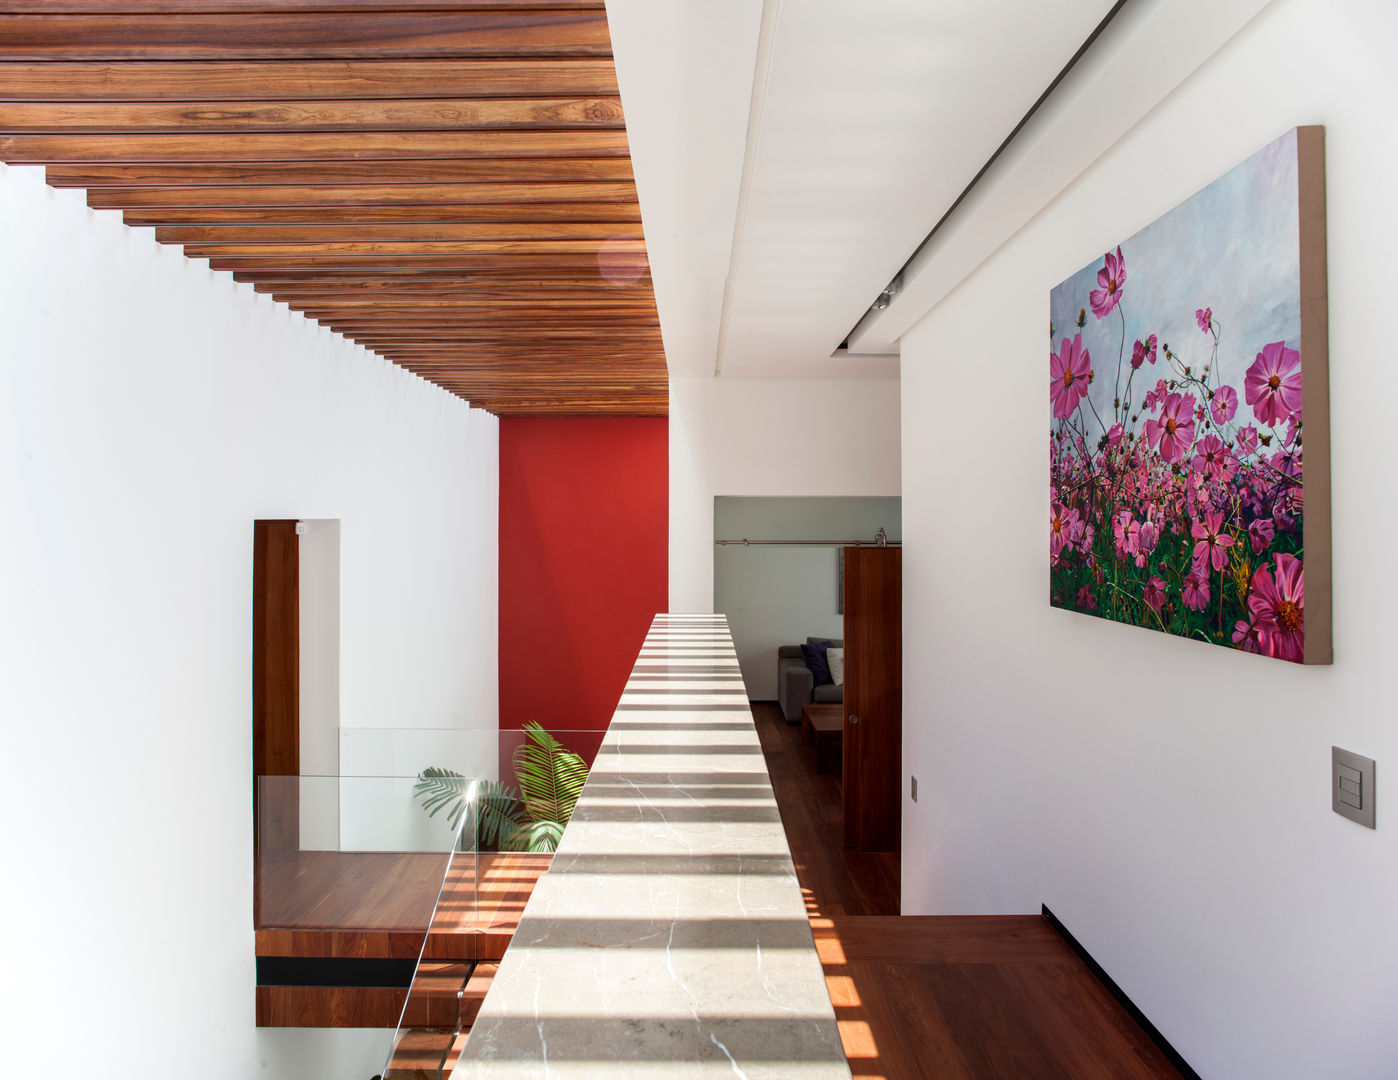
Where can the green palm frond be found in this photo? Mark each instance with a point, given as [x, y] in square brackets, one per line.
[532, 819]
[441, 789]
[499, 811]
[499, 814]
[550, 777]
[536, 836]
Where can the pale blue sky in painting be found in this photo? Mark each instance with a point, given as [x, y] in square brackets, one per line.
[1232, 247]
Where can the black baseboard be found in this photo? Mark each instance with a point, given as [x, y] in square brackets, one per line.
[334, 971]
[1130, 1006]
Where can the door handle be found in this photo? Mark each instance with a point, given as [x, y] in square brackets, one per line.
[853, 719]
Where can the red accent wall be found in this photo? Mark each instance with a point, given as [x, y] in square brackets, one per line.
[584, 564]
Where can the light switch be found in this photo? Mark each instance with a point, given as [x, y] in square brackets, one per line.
[1352, 786]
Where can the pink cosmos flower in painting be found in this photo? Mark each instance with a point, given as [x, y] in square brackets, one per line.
[1143, 351]
[1224, 404]
[1127, 531]
[1204, 316]
[1277, 604]
[1155, 595]
[1261, 533]
[1154, 397]
[1247, 439]
[1173, 433]
[1061, 523]
[1150, 536]
[1115, 433]
[1069, 372]
[1287, 462]
[1272, 385]
[1247, 636]
[1110, 279]
[1086, 600]
[1213, 542]
[1196, 591]
[1211, 457]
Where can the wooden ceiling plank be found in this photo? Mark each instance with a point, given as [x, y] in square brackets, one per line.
[442, 356]
[428, 330]
[174, 80]
[478, 270]
[301, 36]
[485, 114]
[224, 7]
[222, 149]
[617, 236]
[504, 329]
[618, 195]
[527, 299]
[495, 267]
[418, 296]
[600, 214]
[508, 378]
[341, 172]
[489, 305]
[501, 249]
[498, 301]
[499, 322]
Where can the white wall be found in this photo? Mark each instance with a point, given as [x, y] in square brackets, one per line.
[762, 436]
[1168, 800]
[318, 550]
[782, 594]
[150, 411]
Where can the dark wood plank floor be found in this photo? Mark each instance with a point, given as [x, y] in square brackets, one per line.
[834, 880]
[941, 997]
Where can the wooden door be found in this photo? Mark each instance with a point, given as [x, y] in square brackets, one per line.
[873, 766]
[276, 680]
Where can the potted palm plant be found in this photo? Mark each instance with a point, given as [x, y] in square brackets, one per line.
[529, 818]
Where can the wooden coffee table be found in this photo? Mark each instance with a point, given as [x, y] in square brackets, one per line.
[824, 727]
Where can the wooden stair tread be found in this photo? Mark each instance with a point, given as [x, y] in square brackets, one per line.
[435, 998]
[476, 989]
[424, 1054]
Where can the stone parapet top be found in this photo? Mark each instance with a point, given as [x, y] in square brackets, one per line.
[669, 939]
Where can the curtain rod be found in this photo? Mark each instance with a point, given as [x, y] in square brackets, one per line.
[880, 540]
[810, 543]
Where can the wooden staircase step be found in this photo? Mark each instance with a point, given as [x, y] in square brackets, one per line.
[435, 998]
[476, 989]
[423, 1054]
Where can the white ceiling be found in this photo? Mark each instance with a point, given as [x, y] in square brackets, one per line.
[790, 156]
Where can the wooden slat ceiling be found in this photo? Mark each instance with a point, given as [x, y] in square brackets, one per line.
[446, 182]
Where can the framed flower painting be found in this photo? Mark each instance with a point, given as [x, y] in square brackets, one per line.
[1189, 417]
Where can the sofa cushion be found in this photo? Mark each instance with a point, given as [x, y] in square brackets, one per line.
[835, 658]
[829, 694]
[815, 660]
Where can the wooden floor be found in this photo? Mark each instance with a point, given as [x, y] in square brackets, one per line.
[835, 881]
[940, 997]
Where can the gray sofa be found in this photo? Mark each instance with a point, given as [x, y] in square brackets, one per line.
[796, 685]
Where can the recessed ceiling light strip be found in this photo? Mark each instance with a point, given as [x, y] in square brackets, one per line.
[762, 71]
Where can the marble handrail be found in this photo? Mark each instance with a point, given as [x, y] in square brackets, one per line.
[669, 939]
